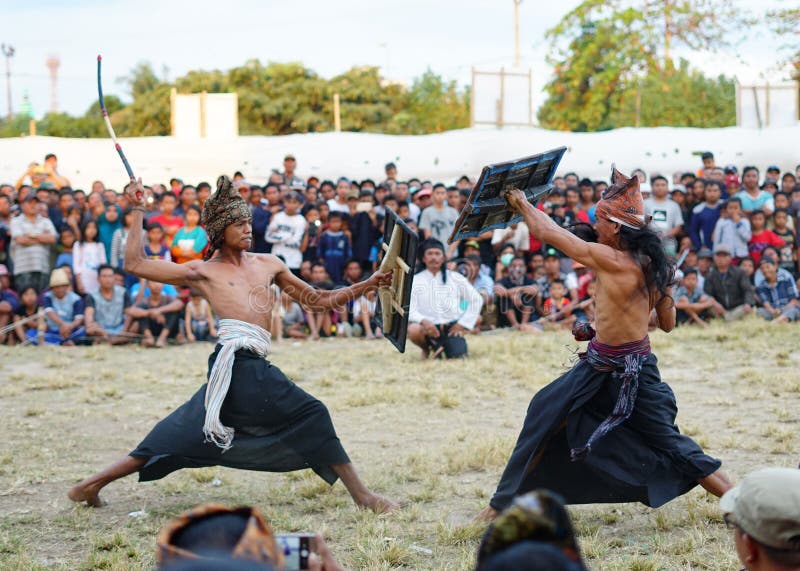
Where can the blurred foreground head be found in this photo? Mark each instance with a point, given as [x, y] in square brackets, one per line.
[213, 533]
[534, 533]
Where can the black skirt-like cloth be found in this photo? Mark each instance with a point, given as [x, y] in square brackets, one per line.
[278, 428]
[645, 459]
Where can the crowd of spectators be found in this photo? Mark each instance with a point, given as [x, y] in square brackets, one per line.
[732, 235]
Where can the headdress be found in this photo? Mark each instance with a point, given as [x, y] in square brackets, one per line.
[622, 202]
[223, 208]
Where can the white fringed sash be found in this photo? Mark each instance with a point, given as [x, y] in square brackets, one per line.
[233, 335]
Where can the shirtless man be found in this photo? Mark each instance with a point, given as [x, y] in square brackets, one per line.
[272, 424]
[636, 453]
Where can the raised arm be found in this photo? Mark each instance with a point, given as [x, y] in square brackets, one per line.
[321, 300]
[596, 256]
[157, 270]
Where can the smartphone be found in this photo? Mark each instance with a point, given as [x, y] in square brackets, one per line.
[297, 547]
[363, 207]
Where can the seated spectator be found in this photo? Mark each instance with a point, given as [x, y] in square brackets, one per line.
[517, 235]
[777, 294]
[517, 296]
[788, 252]
[729, 287]
[108, 310]
[761, 237]
[764, 513]
[733, 229]
[365, 316]
[483, 284]
[758, 277]
[28, 319]
[63, 310]
[552, 271]
[748, 266]
[157, 316]
[692, 304]
[293, 321]
[534, 534]
[191, 240]
[444, 306]
[556, 308]
[9, 303]
[199, 319]
[505, 255]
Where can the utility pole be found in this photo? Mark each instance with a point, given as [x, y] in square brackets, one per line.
[516, 33]
[8, 51]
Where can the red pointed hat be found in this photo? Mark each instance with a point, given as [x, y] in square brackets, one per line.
[622, 202]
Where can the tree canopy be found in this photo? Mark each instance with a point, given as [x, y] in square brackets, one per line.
[614, 67]
[274, 99]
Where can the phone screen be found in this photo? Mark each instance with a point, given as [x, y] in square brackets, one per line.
[297, 547]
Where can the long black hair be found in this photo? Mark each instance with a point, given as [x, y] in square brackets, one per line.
[646, 248]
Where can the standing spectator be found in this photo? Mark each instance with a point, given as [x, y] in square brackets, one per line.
[517, 297]
[272, 194]
[728, 286]
[365, 230]
[708, 164]
[51, 170]
[108, 310]
[9, 303]
[188, 197]
[203, 192]
[108, 223]
[692, 304]
[761, 237]
[120, 240]
[438, 220]
[556, 308]
[667, 218]
[5, 227]
[777, 294]
[261, 218]
[516, 234]
[155, 248]
[289, 175]
[63, 311]
[552, 272]
[339, 202]
[788, 252]
[733, 230]
[199, 319]
[169, 222]
[311, 239]
[286, 231]
[751, 196]
[64, 247]
[587, 204]
[191, 240]
[88, 255]
[364, 315]
[334, 247]
[157, 315]
[32, 236]
[704, 218]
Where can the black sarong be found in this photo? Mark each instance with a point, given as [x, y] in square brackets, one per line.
[278, 428]
[644, 459]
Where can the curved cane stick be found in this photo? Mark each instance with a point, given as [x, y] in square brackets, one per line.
[110, 128]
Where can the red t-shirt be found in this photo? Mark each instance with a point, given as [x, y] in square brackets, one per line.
[760, 241]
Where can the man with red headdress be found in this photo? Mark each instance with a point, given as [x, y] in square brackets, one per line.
[605, 430]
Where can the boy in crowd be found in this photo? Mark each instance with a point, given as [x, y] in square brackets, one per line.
[168, 220]
[667, 219]
[199, 319]
[733, 230]
[761, 237]
[320, 322]
[692, 304]
[704, 218]
[334, 247]
[63, 311]
[556, 307]
[155, 248]
[108, 310]
[285, 232]
[438, 220]
[788, 255]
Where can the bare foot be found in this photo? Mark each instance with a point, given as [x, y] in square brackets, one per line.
[489, 514]
[148, 341]
[377, 503]
[88, 494]
[161, 342]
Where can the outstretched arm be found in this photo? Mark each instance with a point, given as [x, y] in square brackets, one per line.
[157, 270]
[321, 300]
[596, 256]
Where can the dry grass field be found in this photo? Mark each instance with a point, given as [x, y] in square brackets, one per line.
[436, 434]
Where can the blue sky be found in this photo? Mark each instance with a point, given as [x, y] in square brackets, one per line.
[403, 37]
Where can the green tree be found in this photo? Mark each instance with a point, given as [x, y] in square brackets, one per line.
[432, 106]
[607, 52]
